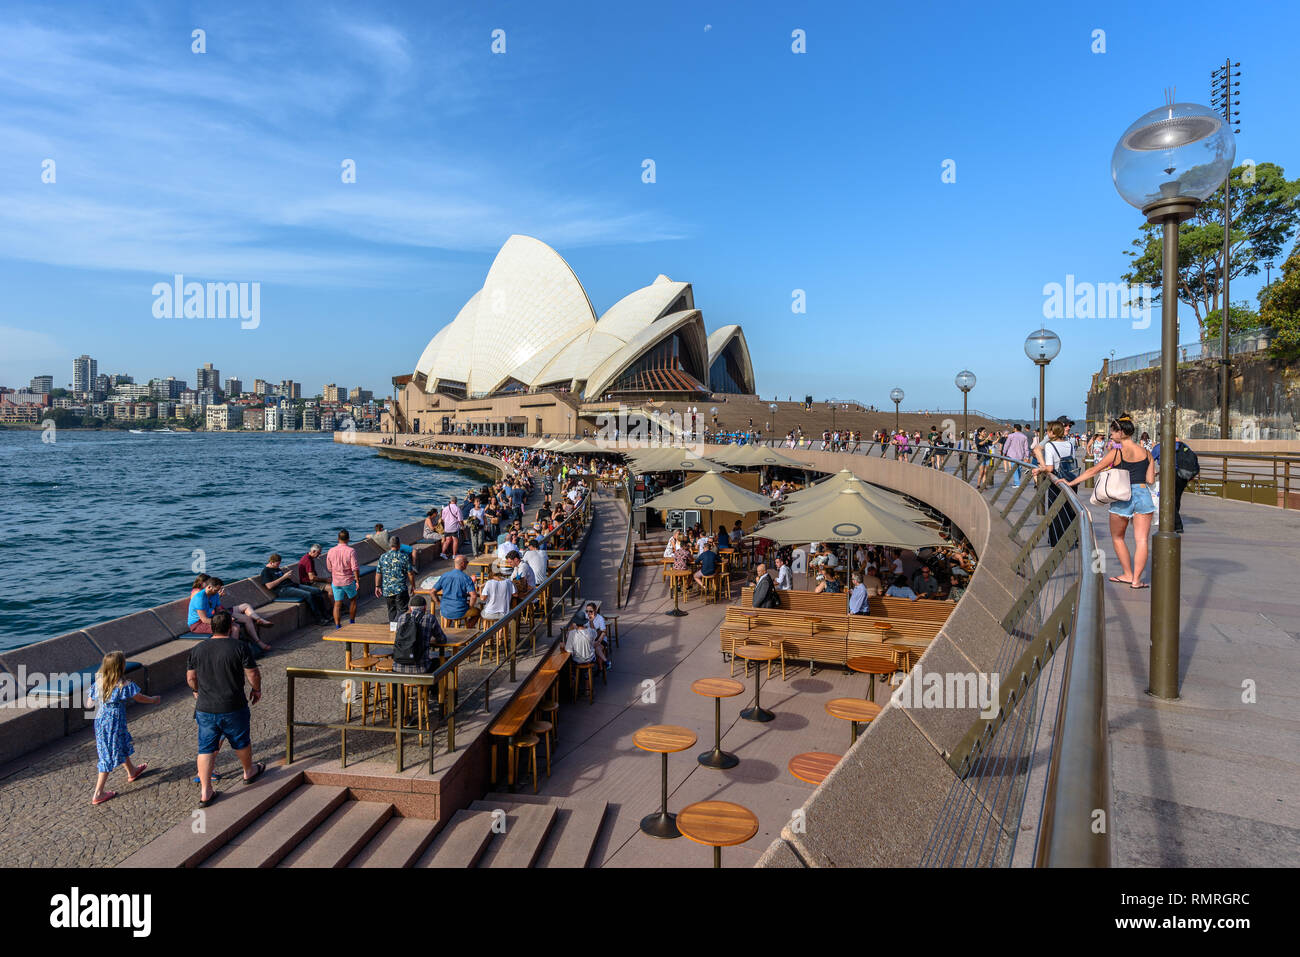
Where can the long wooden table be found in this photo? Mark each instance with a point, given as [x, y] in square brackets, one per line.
[378, 633]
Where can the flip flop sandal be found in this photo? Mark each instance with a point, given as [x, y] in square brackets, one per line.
[139, 774]
[215, 795]
[259, 767]
[1118, 580]
[1139, 586]
[106, 796]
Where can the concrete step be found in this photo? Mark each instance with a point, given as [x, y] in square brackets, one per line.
[398, 844]
[236, 809]
[461, 841]
[265, 842]
[573, 836]
[527, 826]
[341, 837]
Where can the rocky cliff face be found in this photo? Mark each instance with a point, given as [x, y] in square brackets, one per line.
[1265, 401]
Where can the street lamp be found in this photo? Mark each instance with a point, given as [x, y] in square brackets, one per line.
[897, 396]
[772, 408]
[1042, 347]
[1166, 164]
[965, 381]
[1268, 273]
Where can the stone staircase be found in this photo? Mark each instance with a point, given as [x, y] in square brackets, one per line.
[286, 821]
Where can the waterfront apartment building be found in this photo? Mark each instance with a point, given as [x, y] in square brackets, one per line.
[310, 420]
[271, 419]
[255, 419]
[207, 378]
[288, 418]
[84, 370]
[218, 418]
[13, 413]
[131, 392]
[28, 398]
[42, 383]
[169, 388]
[234, 386]
[207, 397]
[290, 389]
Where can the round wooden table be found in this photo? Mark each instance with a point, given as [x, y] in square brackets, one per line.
[757, 653]
[872, 665]
[812, 766]
[854, 711]
[677, 579]
[717, 689]
[717, 824]
[663, 739]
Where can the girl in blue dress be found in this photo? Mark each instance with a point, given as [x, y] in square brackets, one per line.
[110, 692]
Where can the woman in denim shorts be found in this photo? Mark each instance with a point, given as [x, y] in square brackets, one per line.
[1139, 508]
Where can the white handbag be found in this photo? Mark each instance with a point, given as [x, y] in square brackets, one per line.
[1112, 485]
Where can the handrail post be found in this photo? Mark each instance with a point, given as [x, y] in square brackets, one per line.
[288, 730]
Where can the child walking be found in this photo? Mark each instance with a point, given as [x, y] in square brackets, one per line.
[110, 692]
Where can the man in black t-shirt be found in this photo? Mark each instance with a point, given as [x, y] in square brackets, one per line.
[216, 674]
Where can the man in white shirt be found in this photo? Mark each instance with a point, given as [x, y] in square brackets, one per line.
[520, 572]
[497, 593]
[784, 581]
[581, 644]
[535, 559]
[507, 547]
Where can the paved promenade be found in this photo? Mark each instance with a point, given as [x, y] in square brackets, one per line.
[1211, 779]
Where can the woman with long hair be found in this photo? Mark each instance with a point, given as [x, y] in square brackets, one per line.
[1140, 507]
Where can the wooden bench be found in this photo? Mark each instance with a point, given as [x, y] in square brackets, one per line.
[516, 715]
[818, 627]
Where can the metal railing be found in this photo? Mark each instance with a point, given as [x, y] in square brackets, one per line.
[446, 675]
[1247, 342]
[1261, 478]
[628, 562]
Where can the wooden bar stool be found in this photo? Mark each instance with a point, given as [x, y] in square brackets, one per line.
[550, 711]
[544, 729]
[812, 766]
[497, 640]
[524, 742]
[717, 824]
[663, 739]
[612, 621]
[717, 689]
[855, 711]
[576, 672]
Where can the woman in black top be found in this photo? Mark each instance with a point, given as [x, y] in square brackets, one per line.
[1140, 507]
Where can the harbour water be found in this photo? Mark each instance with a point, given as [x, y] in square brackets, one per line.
[96, 525]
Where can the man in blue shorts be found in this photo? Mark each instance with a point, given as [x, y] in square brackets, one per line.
[216, 674]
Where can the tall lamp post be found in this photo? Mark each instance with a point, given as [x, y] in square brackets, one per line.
[1166, 164]
[772, 408]
[1042, 347]
[965, 381]
[1223, 89]
[897, 396]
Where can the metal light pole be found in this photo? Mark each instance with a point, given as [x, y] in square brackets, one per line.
[1268, 274]
[897, 396]
[1166, 164]
[1042, 347]
[1222, 87]
[772, 408]
[965, 381]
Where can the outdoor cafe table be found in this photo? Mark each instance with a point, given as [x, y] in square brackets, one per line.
[757, 653]
[378, 633]
[484, 565]
[872, 665]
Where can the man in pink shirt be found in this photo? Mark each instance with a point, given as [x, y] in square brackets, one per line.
[451, 519]
[344, 571]
[1016, 447]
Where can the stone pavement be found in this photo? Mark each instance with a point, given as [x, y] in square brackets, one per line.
[1213, 778]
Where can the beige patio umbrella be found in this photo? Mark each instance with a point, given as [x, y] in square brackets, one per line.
[849, 517]
[711, 492]
[674, 460]
[841, 480]
[805, 499]
[750, 456]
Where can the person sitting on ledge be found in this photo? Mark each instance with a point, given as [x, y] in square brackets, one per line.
[307, 569]
[280, 583]
[205, 601]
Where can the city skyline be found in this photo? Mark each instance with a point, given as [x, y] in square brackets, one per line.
[804, 158]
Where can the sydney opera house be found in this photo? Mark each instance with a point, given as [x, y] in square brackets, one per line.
[530, 335]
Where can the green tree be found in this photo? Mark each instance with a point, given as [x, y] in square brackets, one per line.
[1241, 319]
[1279, 307]
[1264, 217]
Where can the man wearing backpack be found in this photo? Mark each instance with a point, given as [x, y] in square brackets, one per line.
[415, 646]
[1186, 467]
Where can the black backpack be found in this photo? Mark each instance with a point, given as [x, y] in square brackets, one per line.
[409, 646]
[1186, 465]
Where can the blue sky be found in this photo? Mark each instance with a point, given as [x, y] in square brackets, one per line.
[775, 171]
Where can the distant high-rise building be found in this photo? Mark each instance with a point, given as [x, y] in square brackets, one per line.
[234, 386]
[271, 418]
[84, 370]
[168, 388]
[207, 378]
[361, 395]
[288, 418]
[207, 397]
[290, 389]
[334, 393]
[261, 387]
[120, 378]
[103, 384]
[310, 420]
[42, 383]
[130, 392]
